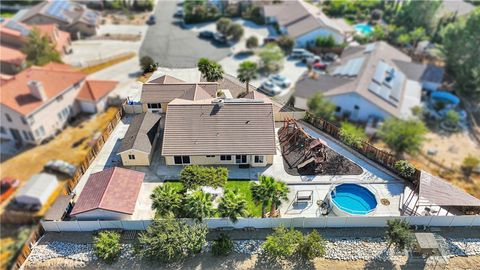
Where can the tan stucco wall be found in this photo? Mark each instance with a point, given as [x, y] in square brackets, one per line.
[203, 160]
[141, 158]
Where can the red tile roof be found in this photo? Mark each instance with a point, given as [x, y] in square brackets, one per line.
[55, 79]
[94, 90]
[10, 55]
[114, 189]
[57, 37]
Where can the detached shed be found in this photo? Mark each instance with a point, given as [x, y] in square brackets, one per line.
[141, 136]
[109, 195]
[37, 190]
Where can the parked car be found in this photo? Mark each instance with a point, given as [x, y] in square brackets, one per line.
[319, 66]
[280, 80]
[311, 59]
[60, 166]
[220, 39]
[270, 88]
[330, 57]
[206, 34]
[151, 20]
[178, 13]
[299, 53]
[8, 185]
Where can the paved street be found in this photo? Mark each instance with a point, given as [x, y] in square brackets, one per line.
[173, 47]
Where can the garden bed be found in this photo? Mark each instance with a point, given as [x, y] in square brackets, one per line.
[334, 164]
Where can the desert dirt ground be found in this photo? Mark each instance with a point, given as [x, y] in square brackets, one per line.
[244, 262]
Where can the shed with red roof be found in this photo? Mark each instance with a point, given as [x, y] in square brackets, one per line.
[109, 195]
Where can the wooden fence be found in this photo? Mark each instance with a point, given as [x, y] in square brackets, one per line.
[381, 157]
[69, 186]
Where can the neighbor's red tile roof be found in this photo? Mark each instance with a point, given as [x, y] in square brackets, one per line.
[55, 79]
[12, 56]
[114, 189]
[94, 90]
[57, 37]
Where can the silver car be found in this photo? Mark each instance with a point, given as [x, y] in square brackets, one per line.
[280, 80]
[270, 88]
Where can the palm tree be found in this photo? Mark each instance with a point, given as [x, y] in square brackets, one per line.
[211, 70]
[198, 205]
[166, 199]
[246, 72]
[232, 205]
[270, 191]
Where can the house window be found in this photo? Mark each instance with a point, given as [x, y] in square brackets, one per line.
[60, 115]
[241, 159]
[42, 131]
[356, 107]
[338, 109]
[59, 98]
[210, 156]
[179, 160]
[131, 157]
[225, 157]
[9, 119]
[25, 135]
[154, 105]
[30, 120]
[3, 130]
[258, 159]
[23, 120]
[30, 134]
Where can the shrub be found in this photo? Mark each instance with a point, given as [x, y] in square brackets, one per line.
[325, 42]
[223, 24]
[235, 31]
[147, 64]
[170, 239]
[286, 43]
[193, 176]
[405, 169]
[312, 246]
[469, 163]
[319, 106]
[106, 245]
[352, 135]
[166, 199]
[403, 135]
[399, 234]
[232, 205]
[271, 57]
[252, 42]
[222, 246]
[282, 243]
[198, 205]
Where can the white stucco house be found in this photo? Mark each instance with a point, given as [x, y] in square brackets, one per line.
[374, 80]
[304, 22]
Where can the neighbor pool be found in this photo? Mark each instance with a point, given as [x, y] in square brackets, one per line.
[363, 28]
[352, 200]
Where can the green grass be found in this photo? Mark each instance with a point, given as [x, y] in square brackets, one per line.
[6, 14]
[243, 187]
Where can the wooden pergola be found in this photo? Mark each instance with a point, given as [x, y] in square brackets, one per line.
[432, 191]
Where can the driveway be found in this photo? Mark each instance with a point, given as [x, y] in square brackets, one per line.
[173, 47]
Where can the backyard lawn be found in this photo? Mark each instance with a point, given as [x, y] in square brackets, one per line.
[243, 187]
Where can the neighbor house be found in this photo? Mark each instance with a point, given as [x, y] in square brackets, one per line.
[109, 195]
[72, 17]
[374, 80]
[201, 128]
[304, 22]
[15, 35]
[38, 102]
[12, 60]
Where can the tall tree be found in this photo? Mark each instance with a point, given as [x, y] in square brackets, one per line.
[223, 24]
[39, 50]
[403, 135]
[460, 47]
[286, 43]
[211, 70]
[166, 199]
[246, 72]
[198, 205]
[235, 32]
[415, 14]
[232, 205]
[269, 191]
[321, 107]
[271, 57]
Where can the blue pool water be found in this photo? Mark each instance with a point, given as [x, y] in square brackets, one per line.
[354, 199]
[363, 28]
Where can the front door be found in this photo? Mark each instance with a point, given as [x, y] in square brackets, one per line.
[240, 159]
[16, 135]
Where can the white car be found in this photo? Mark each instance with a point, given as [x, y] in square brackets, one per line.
[270, 88]
[280, 80]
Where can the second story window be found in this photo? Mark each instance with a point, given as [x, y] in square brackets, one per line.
[59, 98]
[154, 105]
[23, 120]
[9, 119]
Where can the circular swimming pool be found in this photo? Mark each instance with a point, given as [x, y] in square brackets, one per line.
[352, 200]
[363, 28]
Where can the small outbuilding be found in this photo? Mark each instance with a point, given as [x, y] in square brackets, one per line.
[109, 195]
[37, 191]
[140, 139]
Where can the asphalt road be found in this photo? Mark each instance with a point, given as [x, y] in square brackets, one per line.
[171, 46]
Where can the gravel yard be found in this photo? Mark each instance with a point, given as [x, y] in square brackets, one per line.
[371, 249]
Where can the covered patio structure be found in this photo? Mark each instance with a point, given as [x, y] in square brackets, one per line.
[434, 196]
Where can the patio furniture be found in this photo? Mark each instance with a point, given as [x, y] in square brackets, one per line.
[304, 196]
